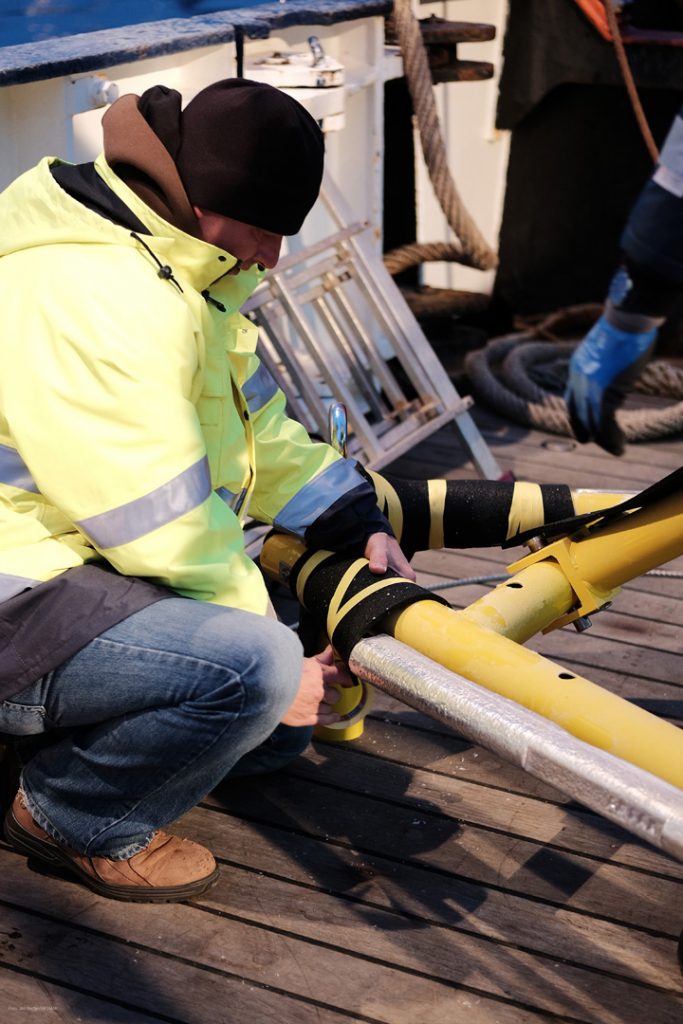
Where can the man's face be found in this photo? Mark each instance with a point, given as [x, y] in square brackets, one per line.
[249, 244]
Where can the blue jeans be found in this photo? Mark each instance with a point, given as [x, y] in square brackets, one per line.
[152, 715]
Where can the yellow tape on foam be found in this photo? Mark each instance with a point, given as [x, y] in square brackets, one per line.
[526, 509]
[437, 506]
[388, 498]
[337, 610]
[313, 562]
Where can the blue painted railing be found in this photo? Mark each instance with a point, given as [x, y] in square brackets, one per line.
[70, 37]
[36, 22]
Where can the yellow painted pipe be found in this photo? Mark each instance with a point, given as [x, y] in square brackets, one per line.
[582, 708]
[473, 644]
[597, 565]
[525, 604]
[636, 543]
[590, 501]
[481, 642]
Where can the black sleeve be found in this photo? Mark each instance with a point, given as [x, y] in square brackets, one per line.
[347, 524]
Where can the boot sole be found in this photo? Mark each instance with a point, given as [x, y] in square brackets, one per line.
[51, 856]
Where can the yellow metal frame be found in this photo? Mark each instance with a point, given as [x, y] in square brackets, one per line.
[572, 577]
[596, 565]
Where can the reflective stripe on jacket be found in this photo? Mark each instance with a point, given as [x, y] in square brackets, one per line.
[137, 423]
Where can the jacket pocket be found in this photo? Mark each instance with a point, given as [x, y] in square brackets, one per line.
[209, 410]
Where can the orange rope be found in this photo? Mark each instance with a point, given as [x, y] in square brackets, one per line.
[629, 82]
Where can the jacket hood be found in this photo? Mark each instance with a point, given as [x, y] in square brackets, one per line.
[141, 158]
[35, 211]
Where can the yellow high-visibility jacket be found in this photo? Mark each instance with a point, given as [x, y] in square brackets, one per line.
[137, 424]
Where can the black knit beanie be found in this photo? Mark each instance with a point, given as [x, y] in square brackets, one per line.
[251, 152]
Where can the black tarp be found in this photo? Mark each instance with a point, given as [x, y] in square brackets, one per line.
[577, 159]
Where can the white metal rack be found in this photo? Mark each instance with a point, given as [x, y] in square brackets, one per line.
[321, 312]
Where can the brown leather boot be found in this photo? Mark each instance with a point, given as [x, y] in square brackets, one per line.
[168, 870]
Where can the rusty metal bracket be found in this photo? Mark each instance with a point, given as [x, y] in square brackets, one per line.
[441, 38]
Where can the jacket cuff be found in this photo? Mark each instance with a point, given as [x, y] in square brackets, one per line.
[348, 523]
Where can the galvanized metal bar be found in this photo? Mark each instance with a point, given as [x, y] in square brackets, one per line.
[336, 385]
[409, 359]
[625, 794]
[294, 259]
[337, 277]
[483, 458]
[296, 406]
[299, 278]
[411, 345]
[378, 365]
[358, 372]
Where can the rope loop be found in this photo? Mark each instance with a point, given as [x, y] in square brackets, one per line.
[523, 378]
[470, 248]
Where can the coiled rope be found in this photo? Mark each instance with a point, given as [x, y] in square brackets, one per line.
[523, 378]
[470, 247]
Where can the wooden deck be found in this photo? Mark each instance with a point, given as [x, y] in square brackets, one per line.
[408, 878]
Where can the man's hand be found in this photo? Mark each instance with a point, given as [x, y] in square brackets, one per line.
[317, 694]
[600, 371]
[313, 704]
[383, 552]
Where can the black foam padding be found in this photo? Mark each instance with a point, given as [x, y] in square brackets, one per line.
[363, 619]
[557, 502]
[414, 500]
[476, 513]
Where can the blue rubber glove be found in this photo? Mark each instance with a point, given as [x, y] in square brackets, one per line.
[600, 371]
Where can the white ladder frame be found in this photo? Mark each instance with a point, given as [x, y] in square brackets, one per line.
[341, 281]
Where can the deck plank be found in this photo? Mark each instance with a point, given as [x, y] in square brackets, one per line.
[443, 956]
[252, 968]
[410, 876]
[30, 996]
[421, 895]
[532, 455]
[136, 955]
[564, 828]
[412, 831]
[655, 597]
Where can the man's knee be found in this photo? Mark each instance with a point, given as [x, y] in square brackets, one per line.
[257, 661]
[278, 663]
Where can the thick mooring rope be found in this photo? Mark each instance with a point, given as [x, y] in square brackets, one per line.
[522, 378]
[471, 248]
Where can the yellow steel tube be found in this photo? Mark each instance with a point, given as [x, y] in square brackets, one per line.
[525, 604]
[279, 553]
[579, 706]
[590, 501]
[631, 546]
[479, 643]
